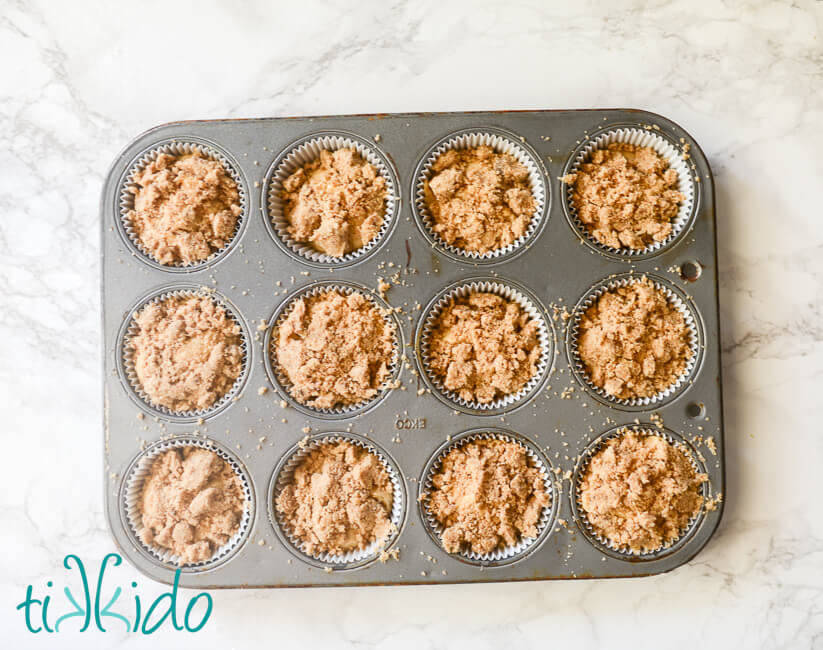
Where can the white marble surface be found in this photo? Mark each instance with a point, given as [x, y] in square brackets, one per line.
[78, 80]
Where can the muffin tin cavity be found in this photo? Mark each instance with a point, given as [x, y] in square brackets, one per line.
[607, 546]
[528, 388]
[501, 142]
[125, 200]
[355, 559]
[281, 381]
[307, 150]
[128, 374]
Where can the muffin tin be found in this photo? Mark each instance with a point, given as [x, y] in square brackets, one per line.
[555, 266]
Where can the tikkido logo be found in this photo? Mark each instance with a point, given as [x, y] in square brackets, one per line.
[89, 611]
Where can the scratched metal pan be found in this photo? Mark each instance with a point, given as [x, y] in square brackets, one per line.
[556, 265]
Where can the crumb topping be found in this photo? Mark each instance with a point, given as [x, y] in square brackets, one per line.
[339, 499]
[187, 352]
[626, 196]
[335, 349]
[487, 494]
[192, 502]
[186, 207]
[479, 200]
[336, 203]
[483, 346]
[640, 492]
[633, 342]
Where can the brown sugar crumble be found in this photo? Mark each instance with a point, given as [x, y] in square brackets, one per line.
[640, 492]
[483, 346]
[191, 503]
[479, 200]
[336, 203]
[339, 499]
[187, 352]
[335, 349]
[487, 494]
[626, 196]
[186, 207]
[633, 342]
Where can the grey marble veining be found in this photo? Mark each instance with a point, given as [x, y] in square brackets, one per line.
[78, 80]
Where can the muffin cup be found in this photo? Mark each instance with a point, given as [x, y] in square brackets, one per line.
[281, 381]
[675, 298]
[132, 517]
[501, 142]
[607, 546]
[509, 291]
[126, 355]
[282, 477]
[663, 147]
[508, 554]
[308, 150]
[126, 201]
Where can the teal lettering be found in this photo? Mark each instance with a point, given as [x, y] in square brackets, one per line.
[26, 604]
[205, 618]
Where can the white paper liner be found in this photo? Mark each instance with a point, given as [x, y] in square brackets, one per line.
[178, 148]
[675, 300]
[505, 554]
[282, 381]
[500, 144]
[664, 148]
[308, 152]
[133, 487]
[605, 543]
[127, 355]
[504, 290]
[354, 557]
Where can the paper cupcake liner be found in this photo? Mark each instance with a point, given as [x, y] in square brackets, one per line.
[605, 544]
[126, 201]
[501, 142]
[281, 381]
[505, 290]
[126, 354]
[283, 476]
[133, 486]
[641, 138]
[679, 302]
[302, 153]
[507, 554]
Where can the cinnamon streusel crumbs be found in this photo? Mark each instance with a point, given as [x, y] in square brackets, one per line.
[479, 200]
[633, 342]
[640, 492]
[187, 352]
[192, 502]
[483, 347]
[339, 499]
[486, 494]
[186, 207]
[626, 196]
[335, 349]
[336, 203]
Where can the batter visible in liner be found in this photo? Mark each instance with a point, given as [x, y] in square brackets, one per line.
[479, 200]
[338, 500]
[483, 347]
[191, 503]
[187, 352]
[336, 203]
[186, 207]
[640, 492]
[633, 342]
[626, 196]
[486, 495]
[335, 349]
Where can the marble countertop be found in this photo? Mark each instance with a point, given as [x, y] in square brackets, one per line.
[79, 80]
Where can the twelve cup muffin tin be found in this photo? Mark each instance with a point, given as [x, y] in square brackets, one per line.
[559, 419]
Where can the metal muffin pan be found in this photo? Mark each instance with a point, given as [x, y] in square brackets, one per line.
[556, 266]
